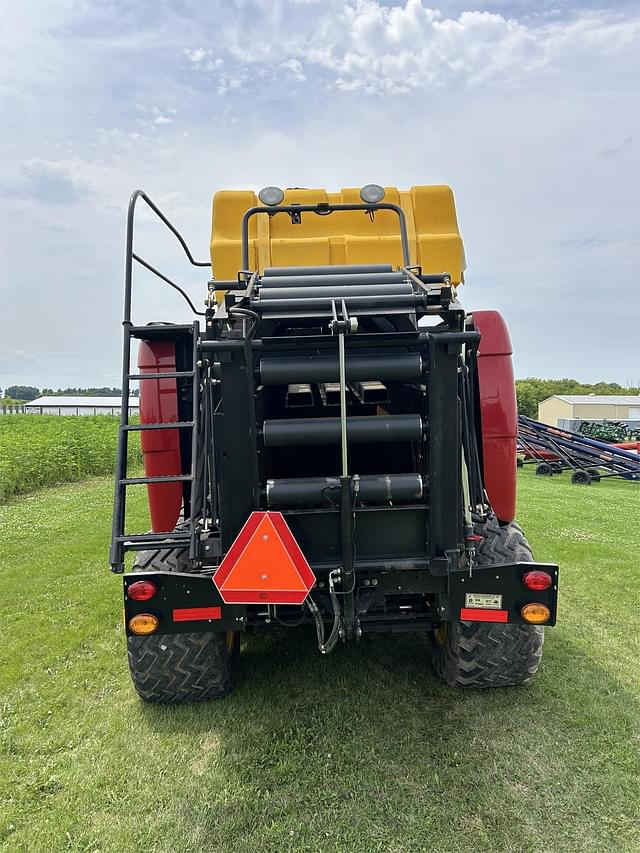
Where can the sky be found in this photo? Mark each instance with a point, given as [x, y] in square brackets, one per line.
[529, 110]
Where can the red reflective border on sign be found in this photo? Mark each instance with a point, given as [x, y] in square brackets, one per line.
[264, 596]
[193, 614]
[477, 614]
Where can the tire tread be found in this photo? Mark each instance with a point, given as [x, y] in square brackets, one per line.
[491, 654]
[182, 667]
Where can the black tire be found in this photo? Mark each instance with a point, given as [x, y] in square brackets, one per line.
[544, 469]
[180, 667]
[581, 478]
[489, 654]
[595, 474]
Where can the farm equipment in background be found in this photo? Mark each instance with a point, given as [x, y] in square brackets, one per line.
[554, 450]
[613, 432]
[334, 446]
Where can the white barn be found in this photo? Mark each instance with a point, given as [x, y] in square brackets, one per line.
[569, 408]
[80, 406]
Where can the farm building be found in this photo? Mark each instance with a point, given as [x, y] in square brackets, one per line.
[79, 406]
[560, 409]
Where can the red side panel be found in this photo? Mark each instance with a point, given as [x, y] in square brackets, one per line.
[499, 412]
[161, 448]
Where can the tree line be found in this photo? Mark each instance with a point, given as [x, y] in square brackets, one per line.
[26, 393]
[532, 391]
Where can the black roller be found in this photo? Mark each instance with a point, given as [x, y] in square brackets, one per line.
[372, 488]
[333, 279]
[335, 291]
[284, 307]
[383, 367]
[329, 269]
[297, 431]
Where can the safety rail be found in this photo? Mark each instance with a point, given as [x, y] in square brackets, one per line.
[323, 209]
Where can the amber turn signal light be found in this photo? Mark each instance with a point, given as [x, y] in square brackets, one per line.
[143, 623]
[535, 613]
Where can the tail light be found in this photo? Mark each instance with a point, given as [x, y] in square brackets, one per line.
[535, 613]
[537, 580]
[141, 590]
[143, 623]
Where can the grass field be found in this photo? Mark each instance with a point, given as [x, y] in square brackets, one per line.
[363, 751]
[44, 450]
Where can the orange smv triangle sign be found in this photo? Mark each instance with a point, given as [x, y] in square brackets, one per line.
[264, 565]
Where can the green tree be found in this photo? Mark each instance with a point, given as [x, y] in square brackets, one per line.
[531, 391]
[527, 399]
[22, 392]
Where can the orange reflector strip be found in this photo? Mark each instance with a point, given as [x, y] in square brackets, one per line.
[477, 614]
[193, 614]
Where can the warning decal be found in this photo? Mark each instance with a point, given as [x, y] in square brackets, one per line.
[483, 599]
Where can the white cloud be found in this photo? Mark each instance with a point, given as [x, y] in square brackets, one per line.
[196, 56]
[532, 119]
[51, 182]
[386, 49]
[295, 67]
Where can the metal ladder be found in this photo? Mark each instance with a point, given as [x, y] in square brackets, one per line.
[121, 543]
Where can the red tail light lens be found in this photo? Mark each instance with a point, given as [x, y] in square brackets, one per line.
[141, 590]
[537, 580]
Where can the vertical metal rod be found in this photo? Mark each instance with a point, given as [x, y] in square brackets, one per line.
[343, 404]
[206, 398]
[116, 557]
[195, 437]
[211, 451]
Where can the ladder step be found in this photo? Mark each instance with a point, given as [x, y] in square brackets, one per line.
[179, 374]
[160, 331]
[156, 538]
[143, 427]
[136, 481]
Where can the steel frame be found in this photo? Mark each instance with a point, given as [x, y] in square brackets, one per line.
[414, 551]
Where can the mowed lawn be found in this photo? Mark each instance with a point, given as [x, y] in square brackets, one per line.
[361, 751]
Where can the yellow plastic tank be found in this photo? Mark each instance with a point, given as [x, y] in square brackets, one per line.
[342, 237]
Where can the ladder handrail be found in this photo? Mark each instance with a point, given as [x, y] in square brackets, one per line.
[119, 508]
[130, 255]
